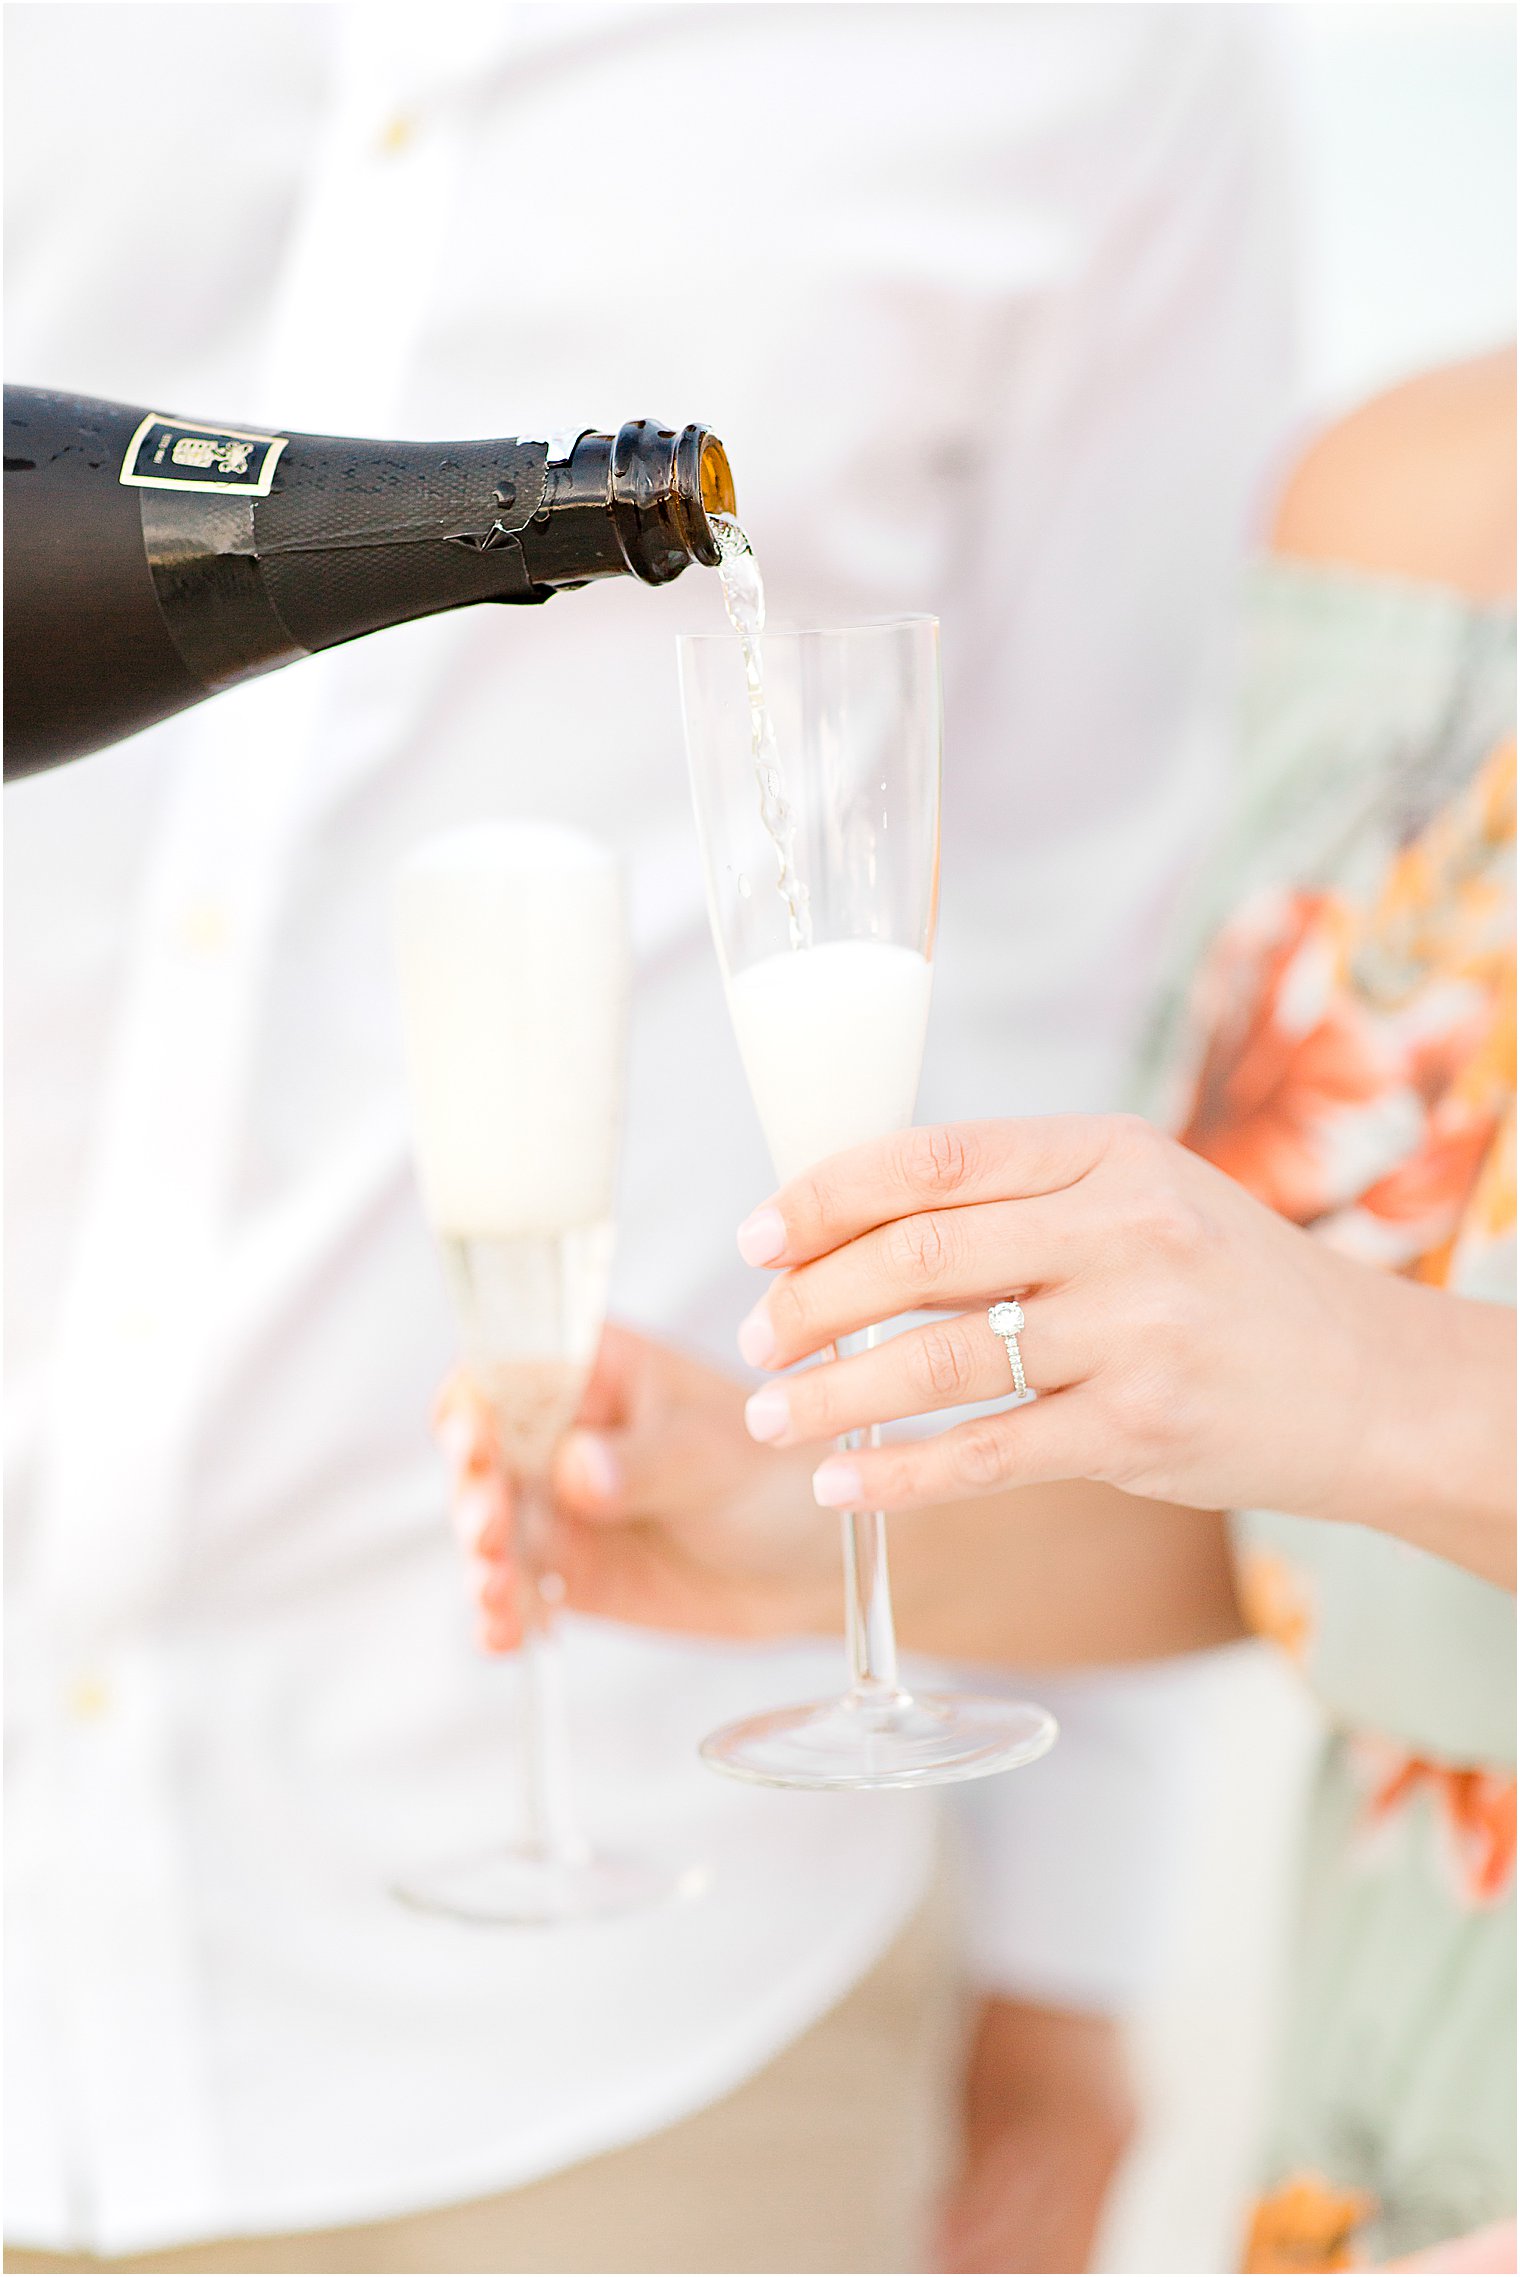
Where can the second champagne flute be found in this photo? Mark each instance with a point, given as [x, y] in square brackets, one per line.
[513, 962]
[815, 766]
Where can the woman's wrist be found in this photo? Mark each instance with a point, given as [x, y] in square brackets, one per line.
[1432, 1455]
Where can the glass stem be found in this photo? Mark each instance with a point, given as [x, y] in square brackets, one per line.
[552, 1828]
[869, 1630]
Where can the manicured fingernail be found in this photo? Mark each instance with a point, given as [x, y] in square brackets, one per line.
[456, 1437]
[762, 1237]
[767, 1412]
[757, 1338]
[836, 1485]
[473, 1510]
[494, 1590]
[587, 1467]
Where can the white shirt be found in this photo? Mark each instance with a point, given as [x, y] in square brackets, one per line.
[988, 315]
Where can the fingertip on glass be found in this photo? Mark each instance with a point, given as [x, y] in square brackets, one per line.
[473, 1511]
[837, 1485]
[587, 1468]
[762, 1237]
[757, 1338]
[494, 1634]
[767, 1413]
[498, 1596]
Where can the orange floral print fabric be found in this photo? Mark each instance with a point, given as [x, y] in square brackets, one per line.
[1306, 2224]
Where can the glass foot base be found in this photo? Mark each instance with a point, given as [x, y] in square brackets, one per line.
[523, 1888]
[895, 1741]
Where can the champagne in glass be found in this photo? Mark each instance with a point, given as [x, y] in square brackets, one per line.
[513, 959]
[815, 765]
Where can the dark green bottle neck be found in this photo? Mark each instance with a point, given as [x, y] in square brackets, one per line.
[152, 561]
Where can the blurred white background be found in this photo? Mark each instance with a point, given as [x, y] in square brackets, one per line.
[1404, 125]
[1405, 118]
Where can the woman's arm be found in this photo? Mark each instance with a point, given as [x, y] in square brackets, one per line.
[1192, 1346]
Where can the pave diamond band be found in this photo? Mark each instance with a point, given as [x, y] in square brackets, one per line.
[1005, 1320]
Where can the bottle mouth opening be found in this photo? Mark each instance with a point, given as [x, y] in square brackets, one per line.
[715, 479]
[704, 486]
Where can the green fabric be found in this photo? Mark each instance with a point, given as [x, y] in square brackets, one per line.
[1369, 707]
[1397, 2072]
[1364, 702]
[1401, 1643]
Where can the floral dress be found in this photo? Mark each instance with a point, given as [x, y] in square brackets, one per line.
[1346, 1048]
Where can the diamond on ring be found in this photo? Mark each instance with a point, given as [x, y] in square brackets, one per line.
[1006, 1320]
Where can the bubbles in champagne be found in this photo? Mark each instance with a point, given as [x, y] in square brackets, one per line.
[530, 1310]
[744, 600]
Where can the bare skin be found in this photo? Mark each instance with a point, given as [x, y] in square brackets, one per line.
[1419, 483]
[1050, 2113]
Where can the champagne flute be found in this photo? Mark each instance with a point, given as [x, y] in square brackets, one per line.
[822, 881]
[513, 960]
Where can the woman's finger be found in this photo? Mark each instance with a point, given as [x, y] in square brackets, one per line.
[946, 1166]
[1024, 1446]
[493, 1585]
[947, 1363]
[462, 1425]
[617, 1379]
[481, 1510]
[590, 1473]
[480, 1496]
[941, 1259]
[648, 1469]
[498, 1629]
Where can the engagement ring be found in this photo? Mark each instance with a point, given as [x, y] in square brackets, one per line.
[1005, 1320]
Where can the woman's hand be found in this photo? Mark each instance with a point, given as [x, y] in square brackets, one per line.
[1189, 1344]
[665, 1513]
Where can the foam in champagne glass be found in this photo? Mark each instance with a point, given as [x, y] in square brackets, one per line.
[514, 980]
[832, 1040]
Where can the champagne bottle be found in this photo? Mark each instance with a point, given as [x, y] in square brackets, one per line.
[151, 561]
